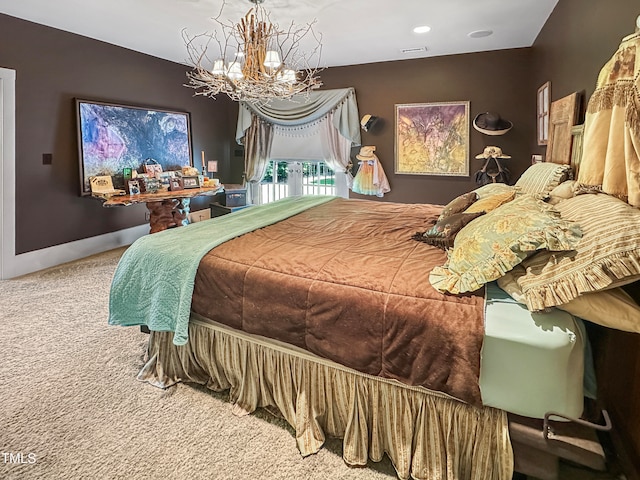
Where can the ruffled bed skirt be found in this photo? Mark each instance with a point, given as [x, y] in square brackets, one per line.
[426, 435]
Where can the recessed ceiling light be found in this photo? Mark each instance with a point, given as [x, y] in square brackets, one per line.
[422, 29]
[480, 33]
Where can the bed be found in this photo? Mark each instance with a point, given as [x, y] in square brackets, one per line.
[324, 310]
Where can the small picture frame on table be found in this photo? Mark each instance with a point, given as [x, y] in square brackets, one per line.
[134, 187]
[190, 182]
[536, 159]
[175, 184]
[152, 167]
[165, 179]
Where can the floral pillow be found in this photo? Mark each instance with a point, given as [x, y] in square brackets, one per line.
[493, 244]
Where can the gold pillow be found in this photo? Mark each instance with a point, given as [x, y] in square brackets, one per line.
[493, 188]
[610, 308]
[491, 202]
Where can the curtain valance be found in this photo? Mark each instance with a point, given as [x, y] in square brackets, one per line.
[303, 111]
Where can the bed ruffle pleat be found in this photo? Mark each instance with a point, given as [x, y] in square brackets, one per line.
[426, 435]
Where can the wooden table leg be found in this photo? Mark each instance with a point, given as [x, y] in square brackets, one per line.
[168, 214]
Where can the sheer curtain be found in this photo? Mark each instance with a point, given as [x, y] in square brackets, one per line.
[258, 139]
[331, 115]
[336, 149]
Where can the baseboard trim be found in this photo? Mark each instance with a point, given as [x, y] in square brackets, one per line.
[29, 262]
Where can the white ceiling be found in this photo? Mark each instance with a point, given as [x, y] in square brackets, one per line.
[353, 31]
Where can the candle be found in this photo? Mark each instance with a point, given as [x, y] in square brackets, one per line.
[202, 158]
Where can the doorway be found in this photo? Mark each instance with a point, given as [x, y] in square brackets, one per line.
[7, 170]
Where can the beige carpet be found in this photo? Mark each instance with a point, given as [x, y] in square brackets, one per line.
[71, 407]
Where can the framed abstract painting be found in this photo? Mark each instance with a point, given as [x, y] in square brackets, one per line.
[114, 138]
[432, 138]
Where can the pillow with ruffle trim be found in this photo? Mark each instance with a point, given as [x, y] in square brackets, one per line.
[493, 244]
[608, 255]
[613, 308]
[540, 178]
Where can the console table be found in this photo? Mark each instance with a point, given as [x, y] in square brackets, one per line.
[167, 209]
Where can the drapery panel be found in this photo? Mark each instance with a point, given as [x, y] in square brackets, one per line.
[330, 115]
[258, 139]
[336, 148]
[611, 141]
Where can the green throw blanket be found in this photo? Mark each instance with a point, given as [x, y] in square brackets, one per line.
[153, 283]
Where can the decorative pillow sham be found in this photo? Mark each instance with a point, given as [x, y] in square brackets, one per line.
[458, 204]
[541, 178]
[491, 202]
[608, 255]
[492, 245]
[612, 308]
[444, 231]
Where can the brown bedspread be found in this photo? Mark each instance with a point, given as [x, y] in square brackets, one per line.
[345, 281]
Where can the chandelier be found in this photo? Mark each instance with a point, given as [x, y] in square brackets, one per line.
[254, 60]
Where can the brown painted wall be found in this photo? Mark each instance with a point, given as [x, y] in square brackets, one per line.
[492, 81]
[577, 40]
[53, 67]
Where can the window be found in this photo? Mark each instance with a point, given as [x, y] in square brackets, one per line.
[293, 178]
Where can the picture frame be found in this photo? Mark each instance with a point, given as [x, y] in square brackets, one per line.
[563, 115]
[101, 184]
[432, 138]
[134, 187]
[165, 179]
[112, 137]
[152, 169]
[190, 182]
[175, 184]
[543, 109]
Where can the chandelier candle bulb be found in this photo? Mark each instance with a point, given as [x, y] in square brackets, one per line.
[218, 67]
[272, 59]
